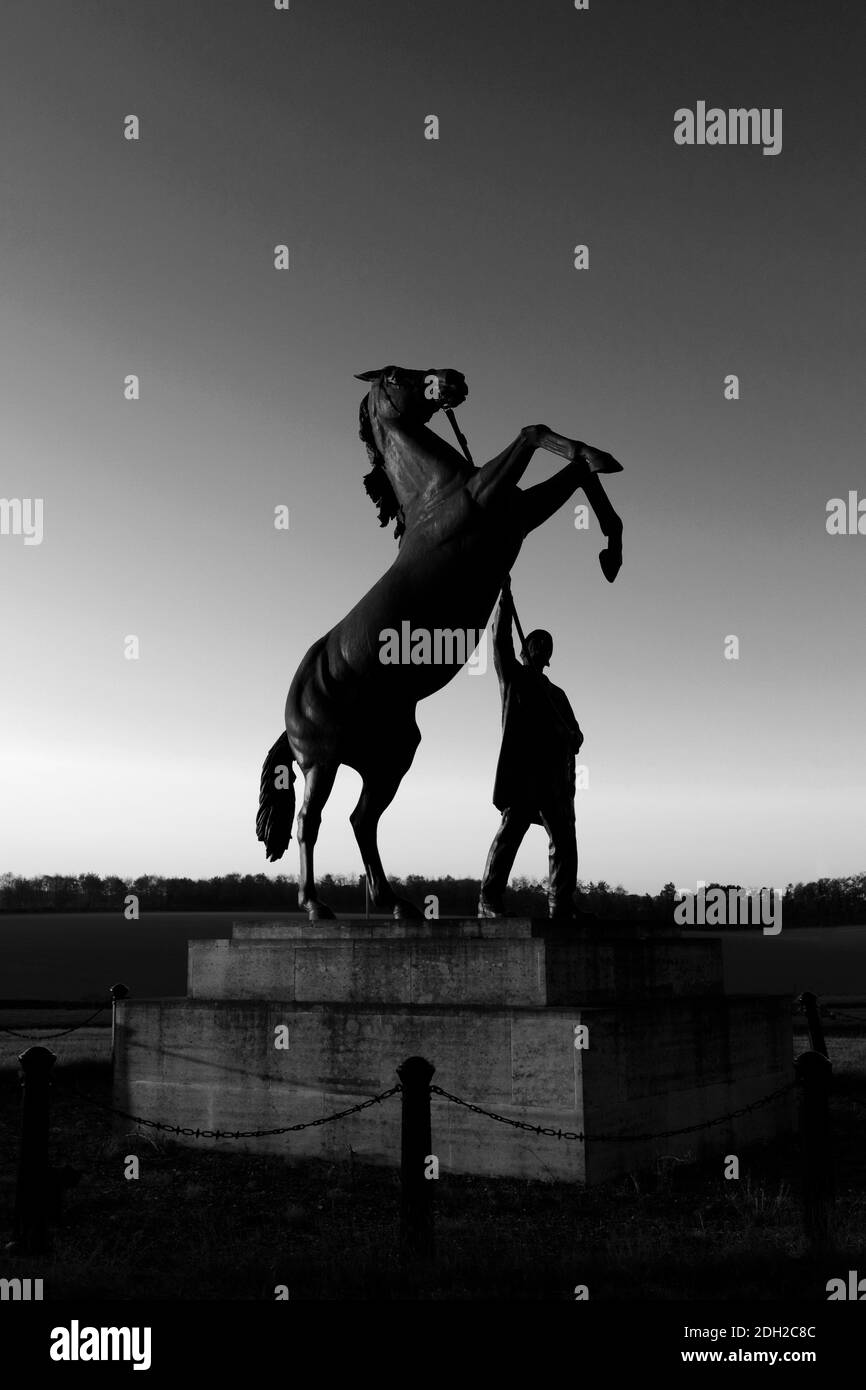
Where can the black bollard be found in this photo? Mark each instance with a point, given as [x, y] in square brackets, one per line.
[31, 1196]
[416, 1203]
[814, 1072]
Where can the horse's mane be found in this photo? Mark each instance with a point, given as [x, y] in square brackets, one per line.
[377, 483]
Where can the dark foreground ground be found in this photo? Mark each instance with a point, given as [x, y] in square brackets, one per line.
[222, 1225]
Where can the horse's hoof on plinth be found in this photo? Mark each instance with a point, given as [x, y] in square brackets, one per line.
[320, 912]
[490, 910]
[404, 911]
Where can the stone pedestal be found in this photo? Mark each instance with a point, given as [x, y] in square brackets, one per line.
[497, 1007]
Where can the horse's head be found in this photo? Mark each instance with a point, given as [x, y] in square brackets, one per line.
[399, 394]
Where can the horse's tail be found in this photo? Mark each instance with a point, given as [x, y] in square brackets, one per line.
[276, 800]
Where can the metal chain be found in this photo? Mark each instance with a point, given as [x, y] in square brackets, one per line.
[44, 1037]
[504, 1120]
[542, 1130]
[614, 1138]
[234, 1133]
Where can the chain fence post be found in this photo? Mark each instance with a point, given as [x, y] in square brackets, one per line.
[118, 992]
[809, 1004]
[416, 1196]
[30, 1221]
[814, 1072]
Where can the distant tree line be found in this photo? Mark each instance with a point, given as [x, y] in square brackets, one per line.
[827, 902]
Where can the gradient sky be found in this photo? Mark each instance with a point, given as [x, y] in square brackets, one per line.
[306, 127]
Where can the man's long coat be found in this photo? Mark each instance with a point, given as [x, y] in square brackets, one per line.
[540, 735]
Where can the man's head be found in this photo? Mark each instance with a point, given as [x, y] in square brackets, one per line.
[539, 649]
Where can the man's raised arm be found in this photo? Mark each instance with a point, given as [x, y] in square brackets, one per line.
[504, 660]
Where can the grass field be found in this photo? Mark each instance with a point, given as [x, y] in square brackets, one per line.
[223, 1225]
[80, 955]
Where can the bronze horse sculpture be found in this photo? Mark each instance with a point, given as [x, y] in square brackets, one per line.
[460, 529]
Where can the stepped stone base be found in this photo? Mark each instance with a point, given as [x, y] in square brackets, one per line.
[520, 961]
[495, 1006]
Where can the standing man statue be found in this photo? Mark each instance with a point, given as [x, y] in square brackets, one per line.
[535, 773]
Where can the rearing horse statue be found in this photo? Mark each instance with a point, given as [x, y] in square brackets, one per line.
[460, 529]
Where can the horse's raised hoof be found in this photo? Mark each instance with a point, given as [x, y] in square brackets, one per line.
[404, 911]
[318, 912]
[596, 460]
[611, 563]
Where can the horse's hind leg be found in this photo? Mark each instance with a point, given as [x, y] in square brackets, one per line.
[318, 783]
[379, 789]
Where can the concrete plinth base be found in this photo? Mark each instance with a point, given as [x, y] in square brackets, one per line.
[497, 1007]
[517, 960]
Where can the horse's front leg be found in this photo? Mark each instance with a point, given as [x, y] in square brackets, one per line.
[507, 468]
[541, 501]
[593, 460]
